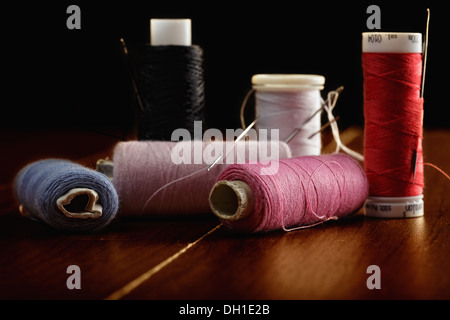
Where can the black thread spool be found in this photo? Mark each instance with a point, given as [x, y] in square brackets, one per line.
[170, 81]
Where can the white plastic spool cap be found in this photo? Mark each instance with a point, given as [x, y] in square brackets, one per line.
[287, 82]
[166, 32]
[393, 42]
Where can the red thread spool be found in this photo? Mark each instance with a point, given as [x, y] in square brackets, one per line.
[393, 111]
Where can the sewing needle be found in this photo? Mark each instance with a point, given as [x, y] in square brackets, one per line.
[324, 127]
[133, 81]
[425, 50]
[237, 139]
[297, 130]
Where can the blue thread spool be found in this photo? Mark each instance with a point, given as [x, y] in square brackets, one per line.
[66, 195]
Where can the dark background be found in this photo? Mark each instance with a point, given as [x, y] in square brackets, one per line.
[55, 77]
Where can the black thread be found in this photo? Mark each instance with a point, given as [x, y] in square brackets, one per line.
[171, 86]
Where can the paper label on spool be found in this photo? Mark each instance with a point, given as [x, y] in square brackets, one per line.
[392, 42]
[394, 207]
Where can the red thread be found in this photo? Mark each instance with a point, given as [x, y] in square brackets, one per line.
[393, 111]
[438, 169]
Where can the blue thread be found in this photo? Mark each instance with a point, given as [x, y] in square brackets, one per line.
[39, 184]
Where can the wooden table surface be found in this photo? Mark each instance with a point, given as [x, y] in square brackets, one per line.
[194, 258]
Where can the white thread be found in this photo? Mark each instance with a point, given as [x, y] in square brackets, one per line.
[329, 106]
[286, 111]
[277, 109]
[130, 286]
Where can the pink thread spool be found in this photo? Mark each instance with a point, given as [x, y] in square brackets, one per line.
[150, 180]
[303, 192]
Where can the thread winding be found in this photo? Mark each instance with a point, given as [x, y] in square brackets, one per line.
[150, 179]
[288, 110]
[171, 85]
[303, 192]
[393, 111]
[66, 195]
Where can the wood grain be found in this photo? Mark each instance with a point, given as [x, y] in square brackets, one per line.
[328, 261]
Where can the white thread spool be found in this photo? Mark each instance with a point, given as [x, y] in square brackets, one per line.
[284, 102]
[393, 42]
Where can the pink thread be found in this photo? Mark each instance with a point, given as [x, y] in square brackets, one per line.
[148, 182]
[304, 192]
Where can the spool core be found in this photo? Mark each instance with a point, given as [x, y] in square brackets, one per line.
[231, 200]
[80, 203]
